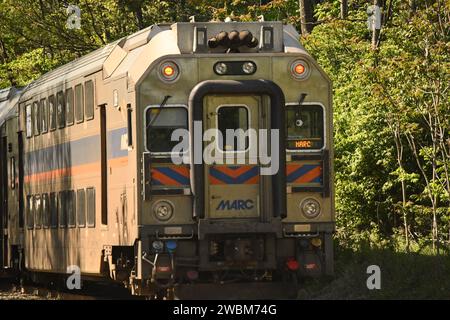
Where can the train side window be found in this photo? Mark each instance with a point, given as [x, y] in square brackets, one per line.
[89, 99]
[12, 172]
[44, 115]
[130, 125]
[38, 212]
[305, 127]
[60, 110]
[81, 208]
[70, 202]
[232, 117]
[36, 118]
[160, 124]
[90, 201]
[29, 120]
[45, 211]
[30, 212]
[62, 206]
[79, 103]
[53, 210]
[69, 106]
[52, 112]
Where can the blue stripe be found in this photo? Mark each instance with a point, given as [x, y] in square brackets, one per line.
[230, 180]
[156, 182]
[73, 153]
[115, 143]
[174, 175]
[302, 171]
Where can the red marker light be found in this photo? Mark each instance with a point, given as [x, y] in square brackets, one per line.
[300, 69]
[169, 71]
[292, 264]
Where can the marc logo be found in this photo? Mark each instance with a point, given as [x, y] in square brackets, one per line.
[238, 204]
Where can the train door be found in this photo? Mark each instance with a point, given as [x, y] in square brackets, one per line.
[232, 177]
[3, 202]
[104, 165]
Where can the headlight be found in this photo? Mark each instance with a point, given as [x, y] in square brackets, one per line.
[310, 208]
[220, 68]
[249, 67]
[163, 210]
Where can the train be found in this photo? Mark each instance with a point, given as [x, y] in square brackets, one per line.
[116, 164]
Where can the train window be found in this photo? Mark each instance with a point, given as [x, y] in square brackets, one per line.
[45, 211]
[37, 212]
[232, 117]
[29, 120]
[130, 125]
[79, 103]
[12, 172]
[70, 202]
[305, 128]
[53, 210]
[81, 208]
[89, 99]
[60, 110]
[30, 212]
[44, 115]
[62, 209]
[52, 112]
[69, 106]
[90, 201]
[36, 118]
[160, 124]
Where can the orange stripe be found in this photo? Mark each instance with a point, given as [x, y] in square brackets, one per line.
[74, 171]
[165, 180]
[291, 168]
[118, 162]
[183, 170]
[310, 175]
[60, 173]
[254, 180]
[213, 180]
[233, 173]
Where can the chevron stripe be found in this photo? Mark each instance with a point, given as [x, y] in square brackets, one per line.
[234, 174]
[170, 176]
[303, 173]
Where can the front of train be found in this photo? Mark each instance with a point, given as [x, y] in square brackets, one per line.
[236, 143]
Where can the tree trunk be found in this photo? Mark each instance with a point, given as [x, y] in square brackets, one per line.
[306, 16]
[375, 31]
[344, 9]
[412, 7]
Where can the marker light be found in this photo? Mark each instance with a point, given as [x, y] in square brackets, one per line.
[292, 264]
[300, 69]
[169, 71]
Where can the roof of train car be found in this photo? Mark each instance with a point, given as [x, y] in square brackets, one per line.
[8, 100]
[91, 62]
[125, 52]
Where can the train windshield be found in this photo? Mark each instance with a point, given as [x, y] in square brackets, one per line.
[305, 127]
[160, 123]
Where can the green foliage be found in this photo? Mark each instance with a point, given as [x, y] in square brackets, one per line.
[391, 105]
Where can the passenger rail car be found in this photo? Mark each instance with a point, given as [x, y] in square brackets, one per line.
[90, 178]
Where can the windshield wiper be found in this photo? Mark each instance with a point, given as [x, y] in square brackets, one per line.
[162, 105]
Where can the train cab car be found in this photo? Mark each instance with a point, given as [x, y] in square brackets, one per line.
[183, 155]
